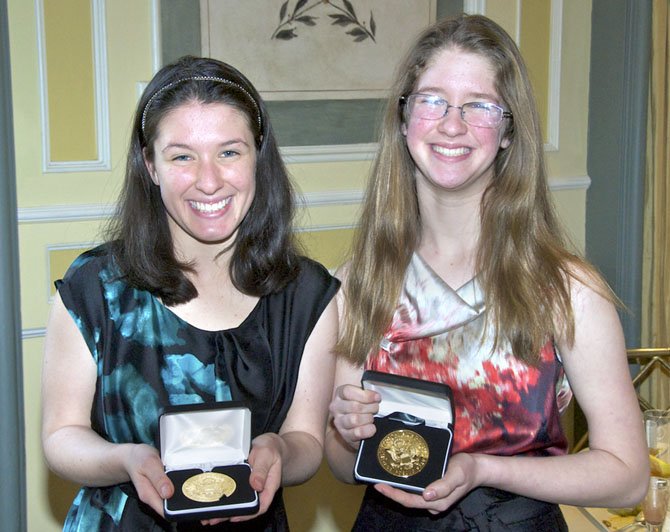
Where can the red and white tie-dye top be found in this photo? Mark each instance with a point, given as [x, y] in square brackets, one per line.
[503, 406]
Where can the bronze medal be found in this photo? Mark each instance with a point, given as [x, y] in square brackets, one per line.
[208, 487]
[403, 453]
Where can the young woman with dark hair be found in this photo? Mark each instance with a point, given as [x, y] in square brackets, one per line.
[199, 296]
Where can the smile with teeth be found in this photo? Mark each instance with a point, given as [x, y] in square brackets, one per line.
[210, 207]
[455, 152]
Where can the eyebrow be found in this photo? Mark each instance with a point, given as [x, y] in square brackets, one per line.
[180, 146]
[438, 92]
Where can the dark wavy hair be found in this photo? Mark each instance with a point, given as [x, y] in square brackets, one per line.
[264, 255]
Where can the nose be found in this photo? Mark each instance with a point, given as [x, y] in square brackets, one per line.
[208, 179]
[452, 123]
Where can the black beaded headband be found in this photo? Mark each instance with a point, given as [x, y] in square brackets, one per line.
[201, 78]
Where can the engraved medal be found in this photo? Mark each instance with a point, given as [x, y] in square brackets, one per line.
[208, 487]
[403, 453]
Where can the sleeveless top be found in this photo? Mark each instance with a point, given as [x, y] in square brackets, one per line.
[502, 405]
[148, 358]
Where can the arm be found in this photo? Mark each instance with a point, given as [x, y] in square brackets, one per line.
[352, 410]
[294, 455]
[615, 469]
[72, 449]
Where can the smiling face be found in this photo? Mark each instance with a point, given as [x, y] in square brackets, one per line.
[204, 164]
[451, 155]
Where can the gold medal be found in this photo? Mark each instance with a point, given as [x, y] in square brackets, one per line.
[403, 453]
[208, 487]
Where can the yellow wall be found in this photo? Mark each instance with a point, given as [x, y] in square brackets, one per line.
[60, 210]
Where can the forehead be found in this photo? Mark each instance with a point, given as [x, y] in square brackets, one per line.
[198, 116]
[456, 70]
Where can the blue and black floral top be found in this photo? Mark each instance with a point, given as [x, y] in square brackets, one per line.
[148, 358]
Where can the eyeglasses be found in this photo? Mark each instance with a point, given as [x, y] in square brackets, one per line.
[432, 107]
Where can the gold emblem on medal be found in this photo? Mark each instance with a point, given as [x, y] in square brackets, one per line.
[403, 453]
[208, 487]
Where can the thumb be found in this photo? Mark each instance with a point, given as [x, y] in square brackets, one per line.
[161, 482]
[258, 475]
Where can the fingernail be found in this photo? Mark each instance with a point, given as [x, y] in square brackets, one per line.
[429, 495]
[164, 492]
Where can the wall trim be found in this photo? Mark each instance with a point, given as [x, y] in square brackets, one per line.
[473, 7]
[328, 198]
[570, 183]
[92, 212]
[329, 153]
[64, 213]
[34, 332]
[99, 41]
[554, 96]
[156, 59]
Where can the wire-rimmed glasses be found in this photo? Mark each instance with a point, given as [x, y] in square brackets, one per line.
[432, 107]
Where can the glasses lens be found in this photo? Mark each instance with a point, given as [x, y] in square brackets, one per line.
[426, 106]
[482, 114]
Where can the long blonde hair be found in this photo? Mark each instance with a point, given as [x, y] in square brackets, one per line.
[522, 261]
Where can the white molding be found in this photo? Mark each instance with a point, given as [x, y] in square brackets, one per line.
[554, 96]
[64, 213]
[324, 227]
[92, 212]
[156, 35]
[329, 198]
[329, 153]
[473, 7]
[33, 332]
[569, 183]
[101, 103]
[517, 35]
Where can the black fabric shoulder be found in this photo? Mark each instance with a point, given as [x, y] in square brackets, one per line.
[313, 271]
[82, 291]
[93, 259]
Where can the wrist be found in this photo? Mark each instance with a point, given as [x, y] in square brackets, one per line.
[271, 441]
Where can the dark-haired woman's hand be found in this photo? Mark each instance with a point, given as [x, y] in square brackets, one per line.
[146, 471]
[265, 460]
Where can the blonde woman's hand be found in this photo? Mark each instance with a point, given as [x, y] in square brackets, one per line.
[440, 495]
[352, 410]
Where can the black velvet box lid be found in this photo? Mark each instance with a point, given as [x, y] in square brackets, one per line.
[204, 448]
[414, 433]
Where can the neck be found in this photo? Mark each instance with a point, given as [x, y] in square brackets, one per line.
[450, 231]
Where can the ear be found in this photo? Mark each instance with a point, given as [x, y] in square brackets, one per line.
[150, 167]
[505, 142]
[403, 129]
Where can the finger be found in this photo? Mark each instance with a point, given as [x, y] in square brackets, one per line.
[265, 499]
[260, 460]
[212, 522]
[408, 500]
[148, 495]
[160, 481]
[355, 431]
[359, 395]
[146, 464]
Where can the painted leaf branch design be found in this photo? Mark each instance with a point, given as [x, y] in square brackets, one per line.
[345, 16]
